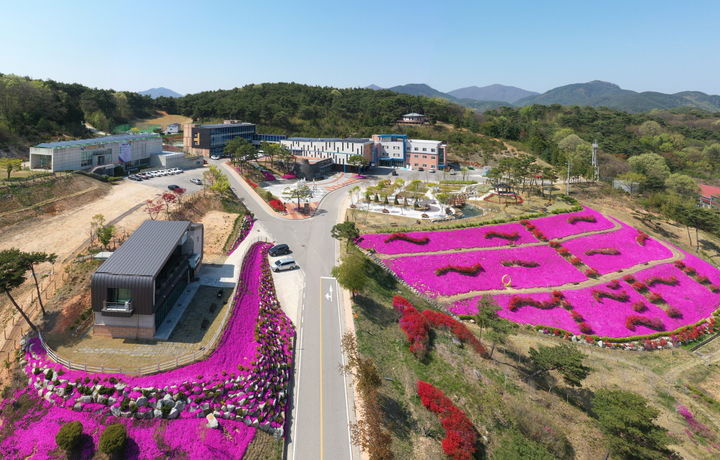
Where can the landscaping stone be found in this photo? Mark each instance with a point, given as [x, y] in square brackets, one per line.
[212, 421]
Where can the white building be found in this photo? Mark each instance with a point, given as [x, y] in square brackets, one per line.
[127, 149]
[340, 150]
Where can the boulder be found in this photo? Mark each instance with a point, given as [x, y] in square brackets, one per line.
[212, 421]
[78, 407]
[174, 413]
[85, 399]
[180, 405]
[115, 411]
[141, 401]
[157, 413]
[126, 414]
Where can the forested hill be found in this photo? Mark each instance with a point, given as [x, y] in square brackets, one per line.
[33, 111]
[297, 109]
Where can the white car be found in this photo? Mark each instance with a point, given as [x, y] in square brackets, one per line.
[214, 157]
[286, 263]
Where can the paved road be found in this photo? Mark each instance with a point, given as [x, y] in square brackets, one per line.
[321, 410]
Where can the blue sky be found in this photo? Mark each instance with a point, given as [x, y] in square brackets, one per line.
[659, 45]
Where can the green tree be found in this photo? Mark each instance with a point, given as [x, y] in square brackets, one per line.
[299, 192]
[516, 446]
[650, 128]
[567, 360]
[682, 185]
[10, 165]
[629, 424]
[33, 258]
[12, 276]
[358, 161]
[495, 328]
[240, 151]
[712, 153]
[285, 156]
[105, 235]
[347, 231]
[352, 272]
[653, 167]
[113, 439]
[69, 436]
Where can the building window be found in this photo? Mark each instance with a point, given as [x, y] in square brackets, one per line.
[424, 149]
[432, 150]
[424, 156]
[416, 164]
[424, 166]
[86, 158]
[118, 295]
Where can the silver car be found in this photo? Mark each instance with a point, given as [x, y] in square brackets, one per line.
[286, 263]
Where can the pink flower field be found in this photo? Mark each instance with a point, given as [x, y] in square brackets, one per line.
[631, 252]
[559, 227]
[450, 239]
[606, 309]
[419, 271]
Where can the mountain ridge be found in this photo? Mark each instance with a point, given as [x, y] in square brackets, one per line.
[494, 92]
[160, 92]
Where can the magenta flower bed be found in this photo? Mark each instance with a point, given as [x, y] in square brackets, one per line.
[559, 227]
[445, 240]
[245, 227]
[244, 381]
[631, 252]
[694, 300]
[419, 271]
[34, 436]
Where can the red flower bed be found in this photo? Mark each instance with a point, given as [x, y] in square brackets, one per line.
[408, 238]
[277, 205]
[415, 327]
[469, 270]
[514, 236]
[400, 303]
[250, 183]
[604, 251]
[617, 296]
[576, 219]
[441, 320]
[641, 238]
[460, 435]
[520, 263]
[670, 281]
[632, 321]
[538, 234]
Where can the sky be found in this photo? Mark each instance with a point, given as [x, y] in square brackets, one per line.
[659, 45]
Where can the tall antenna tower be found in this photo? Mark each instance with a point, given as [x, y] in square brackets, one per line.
[595, 164]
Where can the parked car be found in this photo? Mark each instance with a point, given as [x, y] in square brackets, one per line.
[432, 171]
[173, 187]
[279, 250]
[214, 157]
[421, 168]
[286, 263]
[394, 173]
[196, 181]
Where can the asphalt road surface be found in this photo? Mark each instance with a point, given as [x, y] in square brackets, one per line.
[322, 408]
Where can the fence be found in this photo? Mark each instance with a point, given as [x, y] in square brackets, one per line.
[182, 360]
[16, 327]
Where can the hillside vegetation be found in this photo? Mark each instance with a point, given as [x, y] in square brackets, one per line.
[34, 111]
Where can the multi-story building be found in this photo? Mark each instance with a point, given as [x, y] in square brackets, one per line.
[136, 287]
[130, 150]
[709, 196]
[381, 149]
[211, 139]
[339, 150]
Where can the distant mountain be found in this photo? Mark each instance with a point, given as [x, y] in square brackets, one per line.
[373, 86]
[492, 93]
[599, 93]
[420, 89]
[159, 92]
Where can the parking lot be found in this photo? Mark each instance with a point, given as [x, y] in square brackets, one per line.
[181, 180]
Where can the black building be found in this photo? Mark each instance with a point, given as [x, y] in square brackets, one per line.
[134, 289]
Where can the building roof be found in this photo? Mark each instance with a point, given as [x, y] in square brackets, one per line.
[98, 140]
[225, 125]
[413, 115]
[709, 190]
[147, 250]
[329, 139]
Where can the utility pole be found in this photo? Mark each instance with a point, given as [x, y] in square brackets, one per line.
[595, 164]
[567, 180]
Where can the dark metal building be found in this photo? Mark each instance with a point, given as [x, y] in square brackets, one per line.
[134, 289]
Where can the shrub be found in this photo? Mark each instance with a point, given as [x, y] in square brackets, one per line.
[638, 286]
[575, 260]
[563, 251]
[416, 329]
[460, 435]
[469, 270]
[520, 263]
[636, 320]
[575, 219]
[714, 288]
[592, 273]
[554, 244]
[641, 238]
[655, 298]
[113, 439]
[585, 328]
[519, 301]
[673, 312]
[577, 317]
[277, 205]
[400, 303]
[68, 438]
[441, 320]
[702, 279]
[614, 284]
[669, 281]
[514, 236]
[629, 279]
[617, 296]
[408, 238]
[603, 251]
[679, 264]
[639, 306]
